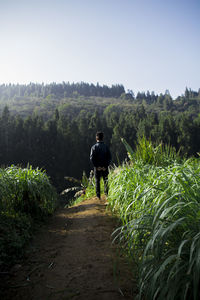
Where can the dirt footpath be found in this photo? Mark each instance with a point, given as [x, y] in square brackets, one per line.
[72, 258]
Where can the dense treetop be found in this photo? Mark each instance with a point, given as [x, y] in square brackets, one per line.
[43, 99]
[60, 90]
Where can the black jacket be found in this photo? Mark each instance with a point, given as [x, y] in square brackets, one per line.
[100, 155]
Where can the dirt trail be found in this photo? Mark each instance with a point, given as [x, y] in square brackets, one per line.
[72, 258]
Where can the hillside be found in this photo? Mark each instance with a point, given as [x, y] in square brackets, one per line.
[43, 100]
[53, 126]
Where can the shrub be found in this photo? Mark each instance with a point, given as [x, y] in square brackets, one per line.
[26, 197]
[159, 206]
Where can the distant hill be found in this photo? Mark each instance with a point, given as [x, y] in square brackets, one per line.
[69, 99]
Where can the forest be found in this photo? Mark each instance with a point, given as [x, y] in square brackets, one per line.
[46, 132]
[53, 126]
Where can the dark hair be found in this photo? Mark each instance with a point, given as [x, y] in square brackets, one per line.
[99, 135]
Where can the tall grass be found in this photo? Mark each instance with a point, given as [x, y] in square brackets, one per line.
[148, 153]
[26, 197]
[159, 206]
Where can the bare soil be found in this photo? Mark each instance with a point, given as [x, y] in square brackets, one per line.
[72, 257]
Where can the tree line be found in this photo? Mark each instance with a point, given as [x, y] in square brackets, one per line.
[67, 89]
[59, 90]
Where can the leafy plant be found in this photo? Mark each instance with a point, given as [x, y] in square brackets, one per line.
[147, 153]
[26, 197]
[80, 189]
[159, 204]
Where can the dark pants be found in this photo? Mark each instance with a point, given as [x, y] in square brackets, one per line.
[98, 175]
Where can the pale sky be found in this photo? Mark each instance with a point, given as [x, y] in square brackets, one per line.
[143, 44]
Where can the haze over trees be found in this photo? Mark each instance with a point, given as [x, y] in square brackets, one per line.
[53, 126]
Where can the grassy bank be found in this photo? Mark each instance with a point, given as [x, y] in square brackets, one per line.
[26, 198]
[157, 198]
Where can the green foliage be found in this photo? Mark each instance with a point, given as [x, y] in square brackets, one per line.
[47, 125]
[86, 189]
[80, 189]
[129, 150]
[26, 190]
[16, 230]
[26, 197]
[159, 208]
[147, 153]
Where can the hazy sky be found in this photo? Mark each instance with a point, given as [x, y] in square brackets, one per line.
[142, 44]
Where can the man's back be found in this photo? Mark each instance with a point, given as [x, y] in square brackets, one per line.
[100, 155]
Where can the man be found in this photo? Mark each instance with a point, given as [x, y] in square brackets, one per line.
[100, 157]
